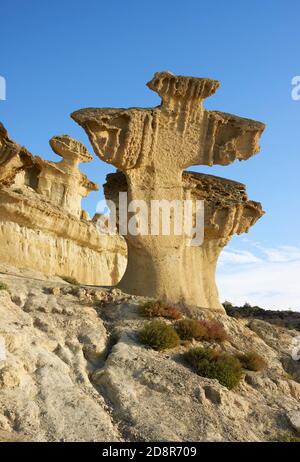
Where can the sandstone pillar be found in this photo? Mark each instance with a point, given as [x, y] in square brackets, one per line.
[152, 147]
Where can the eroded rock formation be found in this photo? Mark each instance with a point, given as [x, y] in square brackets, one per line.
[42, 224]
[227, 211]
[152, 147]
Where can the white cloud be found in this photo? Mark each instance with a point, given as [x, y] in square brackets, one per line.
[270, 280]
[238, 256]
[282, 254]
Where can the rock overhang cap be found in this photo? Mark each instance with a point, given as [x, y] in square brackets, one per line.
[64, 144]
[166, 83]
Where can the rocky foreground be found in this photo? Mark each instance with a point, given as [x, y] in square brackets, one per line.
[75, 370]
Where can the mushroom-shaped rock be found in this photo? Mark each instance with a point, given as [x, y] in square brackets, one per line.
[72, 151]
[62, 182]
[152, 147]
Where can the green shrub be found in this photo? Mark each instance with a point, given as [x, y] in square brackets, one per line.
[4, 286]
[159, 335]
[252, 361]
[288, 437]
[18, 191]
[159, 309]
[189, 329]
[70, 280]
[214, 364]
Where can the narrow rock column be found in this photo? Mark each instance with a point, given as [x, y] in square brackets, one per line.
[227, 211]
[62, 182]
[152, 147]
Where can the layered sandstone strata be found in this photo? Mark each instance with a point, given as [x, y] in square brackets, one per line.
[42, 225]
[152, 147]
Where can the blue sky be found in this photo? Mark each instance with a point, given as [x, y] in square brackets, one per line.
[59, 56]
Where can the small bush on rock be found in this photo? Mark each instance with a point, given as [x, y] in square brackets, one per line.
[252, 361]
[70, 280]
[214, 364]
[159, 335]
[4, 286]
[215, 330]
[189, 329]
[159, 309]
[288, 437]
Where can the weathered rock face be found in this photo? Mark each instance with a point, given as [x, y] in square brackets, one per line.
[152, 147]
[75, 370]
[42, 225]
